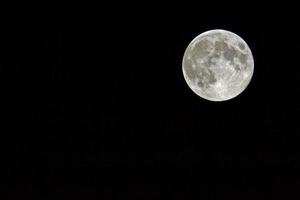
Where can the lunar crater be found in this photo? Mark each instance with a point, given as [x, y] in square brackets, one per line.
[241, 46]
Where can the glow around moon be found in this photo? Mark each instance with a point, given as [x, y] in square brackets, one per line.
[218, 65]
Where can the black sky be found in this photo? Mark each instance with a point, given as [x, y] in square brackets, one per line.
[96, 106]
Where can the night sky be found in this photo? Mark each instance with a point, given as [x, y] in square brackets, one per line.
[95, 106]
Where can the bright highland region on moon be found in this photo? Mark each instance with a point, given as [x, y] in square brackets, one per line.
[218, 65]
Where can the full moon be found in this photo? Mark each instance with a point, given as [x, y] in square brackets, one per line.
[218, 65]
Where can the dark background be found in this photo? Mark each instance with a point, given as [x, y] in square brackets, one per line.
[95, 106]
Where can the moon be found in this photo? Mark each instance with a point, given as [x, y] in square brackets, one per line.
[218, 65]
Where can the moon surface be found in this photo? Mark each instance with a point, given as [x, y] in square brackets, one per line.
[218, 65]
